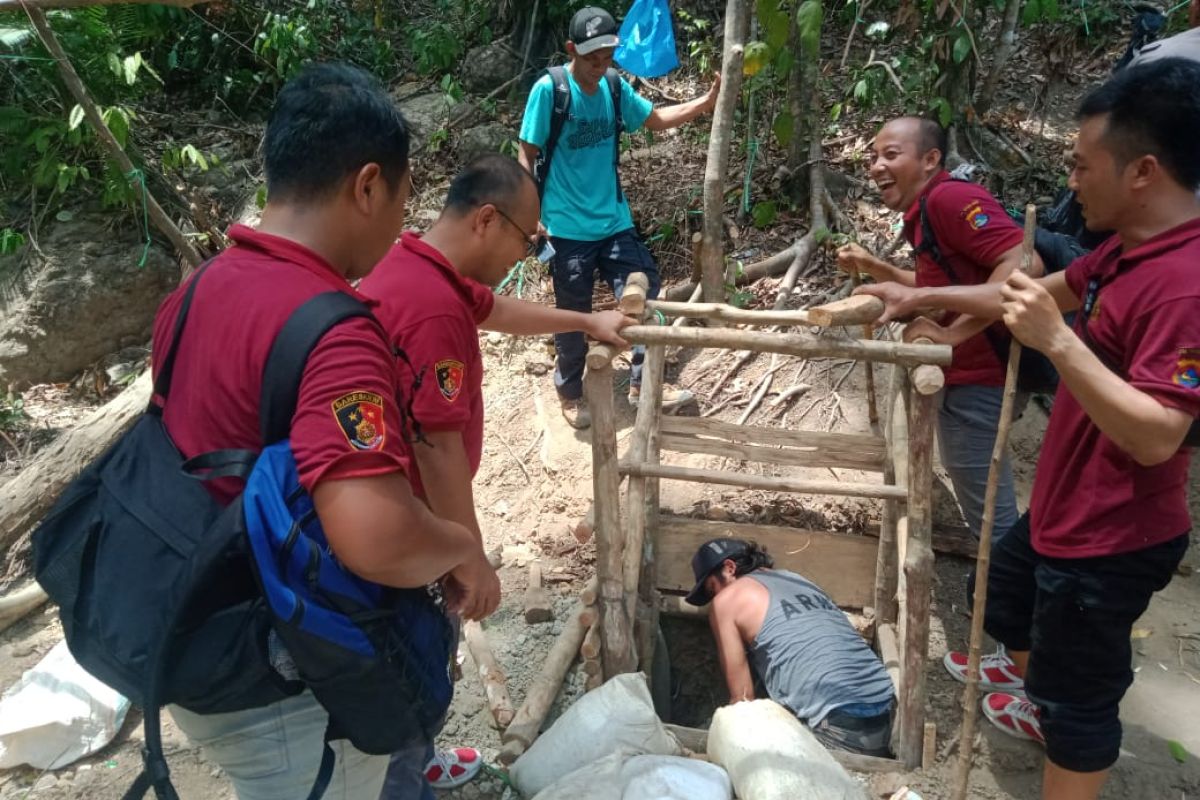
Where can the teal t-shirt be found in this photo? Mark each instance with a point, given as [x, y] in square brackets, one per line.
[580, 201]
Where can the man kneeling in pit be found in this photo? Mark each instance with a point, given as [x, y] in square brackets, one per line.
[798, 643]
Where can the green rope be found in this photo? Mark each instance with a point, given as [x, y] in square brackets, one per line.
[751, 153]
[136, 174]
[662, 318]
[6, 57]
[1087, 31]
[500, 775]
[1175, 8]
[512, 273]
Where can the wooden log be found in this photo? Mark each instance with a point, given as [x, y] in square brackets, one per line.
[601, 355]
[927, 379]
[633, 296]
[790, 344]
[886, 562]
[538, 605]
[842, 565]
[858, 309]
[590, 649]
[929, 746]
[529, 717]
[586, 525]
[591, 593]
[782, 456]
[16, 605]
[983, 560]
[109, 142]
[841, 443]
[495, 686]
[834, 488]
[727, 313]
[615, 624]
[27, 497]
[889, 652]
[637, 549]
[589, 615]
[918, 576]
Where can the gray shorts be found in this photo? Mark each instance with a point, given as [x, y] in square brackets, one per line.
[868, 736]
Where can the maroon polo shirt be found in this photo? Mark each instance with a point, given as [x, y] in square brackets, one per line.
[972, 232]
[346, 422]
[433, 314]
[1090, 498]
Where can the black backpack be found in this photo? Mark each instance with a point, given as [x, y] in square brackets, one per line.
[560, 112]
[1036, 373]
[155, 581]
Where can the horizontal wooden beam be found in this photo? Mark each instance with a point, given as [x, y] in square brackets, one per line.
[790, 344]
[832, 488]
[727, 313]
[859, 309]
[783, 456]
[755, 434]
[842, 565]
[773, 445]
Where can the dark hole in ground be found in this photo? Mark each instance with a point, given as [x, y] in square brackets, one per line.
[697, 686]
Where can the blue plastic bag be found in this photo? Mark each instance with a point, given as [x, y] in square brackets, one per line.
[647, 46]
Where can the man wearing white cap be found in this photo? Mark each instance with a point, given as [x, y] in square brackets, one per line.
[570, 139]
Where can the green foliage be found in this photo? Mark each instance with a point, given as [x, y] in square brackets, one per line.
[10, 241]
[808, 22]
[12, 411]
[698, 35]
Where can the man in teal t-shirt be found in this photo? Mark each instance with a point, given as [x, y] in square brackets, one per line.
[588, 220]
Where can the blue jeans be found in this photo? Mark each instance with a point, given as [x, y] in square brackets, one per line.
[273, 752]
[406, 775]
[967, 420]
[574, 272]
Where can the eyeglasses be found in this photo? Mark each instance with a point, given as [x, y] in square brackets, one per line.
[531, 239]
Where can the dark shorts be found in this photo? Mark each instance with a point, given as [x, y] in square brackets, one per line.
[865, 735]
[1075, 617]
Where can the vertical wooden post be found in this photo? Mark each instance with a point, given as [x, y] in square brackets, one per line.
[639, 549]
[918, 575]
[615, 625]
[886, 561]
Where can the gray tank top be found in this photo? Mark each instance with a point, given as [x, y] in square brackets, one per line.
[808, 656]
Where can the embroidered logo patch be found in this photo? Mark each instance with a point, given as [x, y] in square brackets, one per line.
[449, 374]
[360, 416]
[974, 215]
[1187, 370]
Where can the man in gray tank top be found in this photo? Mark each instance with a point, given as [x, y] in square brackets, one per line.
[802, 647]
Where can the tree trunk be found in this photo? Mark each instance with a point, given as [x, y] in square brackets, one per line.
[806, 111]
[712, 248]
[1006, 46]
[27, 497]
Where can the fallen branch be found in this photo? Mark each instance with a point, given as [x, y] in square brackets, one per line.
[871, 62]
[15, 606]
[495, 687]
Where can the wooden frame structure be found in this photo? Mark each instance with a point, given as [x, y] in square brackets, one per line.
[643, 554]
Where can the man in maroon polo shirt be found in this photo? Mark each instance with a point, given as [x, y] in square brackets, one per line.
[434, 293]
[1108, 522]
[973, 241]
[336, 162]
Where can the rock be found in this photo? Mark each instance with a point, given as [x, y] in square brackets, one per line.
[483, 139]
[488, 67]
[85, 299]
[46, 783]
[426, 114]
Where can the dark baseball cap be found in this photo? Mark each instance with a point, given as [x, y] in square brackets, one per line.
[708, 558]
[592, 29]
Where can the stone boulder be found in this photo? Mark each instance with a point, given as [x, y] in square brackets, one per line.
[488, 67]
[426, 114]
[486, 138]
[85, 299]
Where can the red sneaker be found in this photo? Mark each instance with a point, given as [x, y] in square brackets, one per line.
[450, 768]
[1014, 715]
[997, 672]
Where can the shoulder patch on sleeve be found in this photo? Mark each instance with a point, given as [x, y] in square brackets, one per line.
[449, 374]
[1187, 369]
[975, 216]
[360, 416]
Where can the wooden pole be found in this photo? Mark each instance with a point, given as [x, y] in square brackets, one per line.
[764, 482]
[615, 624]
[538, 607]
[868, 332]
[523, 730]
[633, 296]
[712, 246]
[113, 148]
[16, 605]
[927, 379]
[495, 688]
[727, 313]
[917, 562]
[966, 742]
[886, 558]
[857, 309]
[791, 344]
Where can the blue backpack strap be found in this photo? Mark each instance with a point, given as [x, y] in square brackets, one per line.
[560, 111]
[289, 355]
[613, 79]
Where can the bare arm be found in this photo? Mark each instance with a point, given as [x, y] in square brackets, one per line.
[522, 318]
[527, 154]
[731, 652]
[446, 477]
[383, 533]
[661, 119]
[856, 258]
[1140, 425]
[981, 300]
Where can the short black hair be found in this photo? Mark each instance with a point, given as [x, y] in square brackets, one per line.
[328, 122]
[1153, 109]
[754, 557]
[491, 178]
[930, 134]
